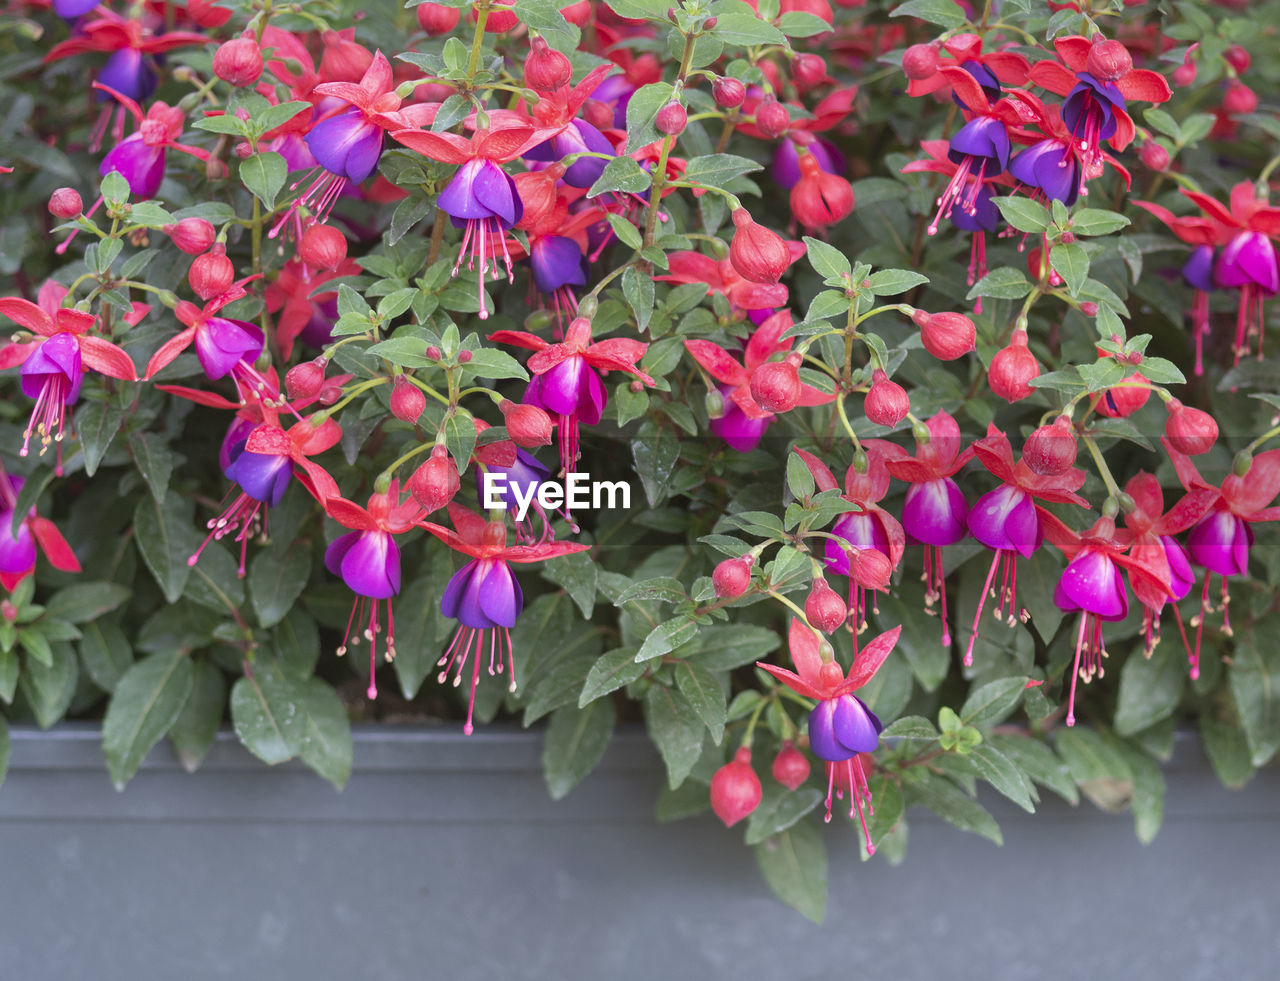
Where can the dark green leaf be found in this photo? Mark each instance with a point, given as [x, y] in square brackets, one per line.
[50, 687]
[705, 694]
[575, 741]
[96, 424]
[613, 670]
[146, 702]
[265, 714]
[276, 579]
[993, 702]
[675, 729]
[1150, 688]
[794, 863]
[193, 731]
[166, 540]
[264, 174]
[105, 652]
[85, 601]
[326, 731]
[779, 810]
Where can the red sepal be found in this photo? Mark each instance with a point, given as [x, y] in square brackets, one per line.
[169, 350]
[349, 515]
[54, 546]
[107, 359]
[870, 657]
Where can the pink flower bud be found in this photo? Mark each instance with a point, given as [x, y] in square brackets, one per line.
[435, 482]
[1051, 450]
[671, 119]
[946, 336]
[464, 357]
[1184, 74]
[407, 400]
[758, 254]
[65, 203]
[735, 789]
[772, 118]
[732, 577]
[808, 70]
[887, 404]
[546, 69]
[192, 235]
[527, 425]
[1154, 155]
[1109, 61]
[920, 61]
[1238, 58]
[598, 114]
[437, 19]
[775, 385]
[1239, 99]
[1190, 431]
[433, 352]
[728, 92]
[1013, 369]
[238, 62]
[211, 274]
[1124, 400]
[824, 608]
[323, 246]
[304, 381]
[790, 766]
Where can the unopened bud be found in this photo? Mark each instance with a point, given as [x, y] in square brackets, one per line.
[732, 577]
[192, 235]
[790, 766]
[527, 425]
[322, 246]
[436, 481]
[920, 61]
[729, 93]
[671, 119]
[211, 274]
[772, 118]
[238, 62]
[65, 203]
[304, 381]
[887, 403]
[407, 400]
[735, 789]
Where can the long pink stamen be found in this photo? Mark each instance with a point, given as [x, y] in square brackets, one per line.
[982, 599]
[1075, 672]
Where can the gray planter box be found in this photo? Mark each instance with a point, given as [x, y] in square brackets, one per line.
[444, 858]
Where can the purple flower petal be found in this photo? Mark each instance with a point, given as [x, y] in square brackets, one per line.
[497, 195]
[1006, 518]
[337, 551]
[499, 595]
[221, 344]
[822, 734]
[457, 590]
[856, 726]
[1092, 582]
[736, 428]
[17, 553]
[556, 262]
[263, 476]
[1182, 577]
[347, 145]
[1220, 543]
[934, 512]
[982, 137]
[140, 165]
[1198, 272]
[1249, 258]
[57, 356]
[371, 565]
[128, 73]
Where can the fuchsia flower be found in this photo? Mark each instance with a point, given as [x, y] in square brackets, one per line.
[744, 421]
[1163, 556]
[18, 550]
[989, 70]
[867, 544]
[565, 382]
[485, 596]
[368, 560]
[260, 459]
[1220, 541]
[720, 276]
[934, 510]
[481, 197]
[1247, 262]
[1008, 520]
[52, 363]
[223, 346]
[840, 725]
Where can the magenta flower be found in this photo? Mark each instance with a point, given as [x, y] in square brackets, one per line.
[18, 549]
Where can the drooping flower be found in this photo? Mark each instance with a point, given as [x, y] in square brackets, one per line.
[481, 197]
[303, 311]
[52, 361]
[1008, 520]
[18, 549]
[840, 725]
[565, 381]
[1165, 558]
[368, 560]
[260, 459]
[934, 509]
[485, 596]
[744, 421]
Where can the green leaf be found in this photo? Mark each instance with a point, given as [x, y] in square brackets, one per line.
[86, 601]
[1102, 374]
[326, 731]
[1150, 688]
[277, 115]
[828, 303]
[639, 291]
[114, 188]
[154, 459]
[575, 741]
[166, 540]
[105, 653]
[1002, 283]
[1039, 762]
[911, 727]
[779, 810]
[993, 702]
[1162, 372]
[745, 29]
[265, 714]
[639, 9]
[705, 694]
[794, 864]
[950, 803]
[577, 575]
[613, 670]
[277, 577]
[1160, 120]
[1023, 214]
[50, 687]
[1254, 678]
[620, 174]
[891, 282]
[488, 362]
[666, 637]
[676, 729]
[460, 437]
[663, 589]
[717, 169]
[264, 174]
[193, 731]
[4, 749]
[1147, 803]
[655, 454]
[626, 231]
[801, 23]
[146, 702]
[920, 641]
[1003, 774]
[828, 261]
[942, 12]
[8, 675]
[1096, 221]
[96, 424]
[1072, 264]
[1228, 752]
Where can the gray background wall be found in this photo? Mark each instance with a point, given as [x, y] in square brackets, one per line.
[444, 858]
